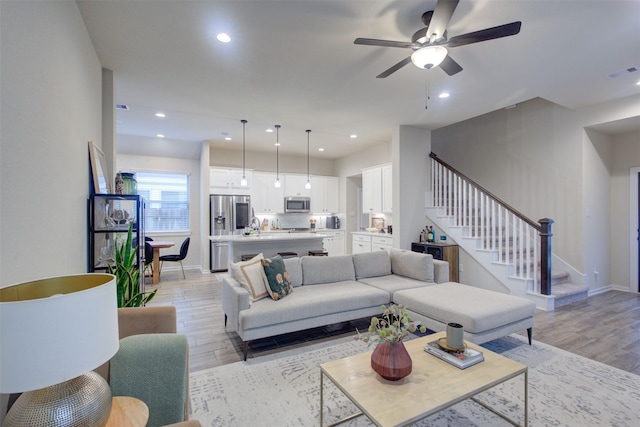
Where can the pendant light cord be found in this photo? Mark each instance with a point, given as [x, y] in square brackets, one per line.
[308, 173]
[244, 122]
[277, 152]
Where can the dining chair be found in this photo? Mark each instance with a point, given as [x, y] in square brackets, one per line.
[177, 257]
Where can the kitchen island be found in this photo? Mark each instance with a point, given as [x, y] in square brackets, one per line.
[270, 244]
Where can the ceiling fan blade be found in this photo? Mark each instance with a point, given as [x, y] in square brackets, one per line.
[450, 66]
[483, 35]
[395, 68]
[441, 17]
[384, 43]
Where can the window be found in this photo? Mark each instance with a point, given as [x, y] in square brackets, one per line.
[166, 197]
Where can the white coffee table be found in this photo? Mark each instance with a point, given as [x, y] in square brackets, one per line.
[432, 386]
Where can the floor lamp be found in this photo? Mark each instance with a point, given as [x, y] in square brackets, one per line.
[53, 333]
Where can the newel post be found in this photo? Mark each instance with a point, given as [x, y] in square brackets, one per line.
[545, 255]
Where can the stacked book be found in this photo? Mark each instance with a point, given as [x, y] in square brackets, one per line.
[460, 358]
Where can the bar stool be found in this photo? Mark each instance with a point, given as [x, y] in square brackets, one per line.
[318, 253]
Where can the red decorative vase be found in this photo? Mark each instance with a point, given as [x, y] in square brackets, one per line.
[391, 361]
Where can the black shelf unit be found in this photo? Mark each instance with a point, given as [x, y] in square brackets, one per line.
[108, 218]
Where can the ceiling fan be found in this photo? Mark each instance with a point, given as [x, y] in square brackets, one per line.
[430, 43]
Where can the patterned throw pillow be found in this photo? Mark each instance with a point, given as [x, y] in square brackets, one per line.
[250, 275]
[279, 282]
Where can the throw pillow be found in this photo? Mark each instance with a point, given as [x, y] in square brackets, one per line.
[279, 282]
[250, 275]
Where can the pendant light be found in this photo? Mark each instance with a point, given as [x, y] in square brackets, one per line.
[243, 181]
[277, 183]
[308, 184]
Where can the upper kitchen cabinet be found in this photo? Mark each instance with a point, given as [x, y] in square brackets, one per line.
[325, 194]
[387, 189]
[377, 189]
[294, 186]
[265, 197]
[228, 181]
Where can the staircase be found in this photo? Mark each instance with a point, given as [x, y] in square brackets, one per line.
[513, 248]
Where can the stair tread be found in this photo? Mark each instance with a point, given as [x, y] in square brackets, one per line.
[566, 289]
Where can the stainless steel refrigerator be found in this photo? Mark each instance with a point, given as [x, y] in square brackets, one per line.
[228, 214]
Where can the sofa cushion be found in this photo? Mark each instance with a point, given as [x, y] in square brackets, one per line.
[312, 301]
[250, 274]
[322, 269]
[279, 283]
[372, 264]
[415, 265]
[294, 268]
[476, 309]
[393, 283]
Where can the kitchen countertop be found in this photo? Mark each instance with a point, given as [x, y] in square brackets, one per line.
[279, 236]
[372, 233]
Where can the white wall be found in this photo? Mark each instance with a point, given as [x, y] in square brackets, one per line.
[538, 158]
[134, 163]
[51, 107]
[531, 157]
[596, 209]
[266, 161]
[625, 154]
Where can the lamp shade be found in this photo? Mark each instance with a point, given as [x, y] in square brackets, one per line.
[56, 329]
[429, 56]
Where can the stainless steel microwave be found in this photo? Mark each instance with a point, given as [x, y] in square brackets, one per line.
[297, 204]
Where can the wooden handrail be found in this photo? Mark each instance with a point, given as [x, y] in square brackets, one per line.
[529, 221]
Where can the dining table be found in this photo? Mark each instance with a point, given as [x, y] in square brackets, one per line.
[157, 245]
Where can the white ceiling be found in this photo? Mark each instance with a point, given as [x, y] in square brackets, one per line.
[294, 63]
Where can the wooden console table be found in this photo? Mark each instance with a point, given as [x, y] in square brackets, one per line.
[128, 412]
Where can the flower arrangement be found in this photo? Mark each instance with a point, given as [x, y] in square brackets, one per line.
[393, 326]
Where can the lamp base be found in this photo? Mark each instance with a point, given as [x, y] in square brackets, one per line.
[81, 401]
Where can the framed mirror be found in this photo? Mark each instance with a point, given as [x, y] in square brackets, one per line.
[101, 179]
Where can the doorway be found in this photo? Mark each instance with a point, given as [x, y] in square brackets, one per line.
[634, 227]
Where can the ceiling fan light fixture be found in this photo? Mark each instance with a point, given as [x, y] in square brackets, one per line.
[429, 56]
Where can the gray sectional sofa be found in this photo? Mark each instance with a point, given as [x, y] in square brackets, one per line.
[329, 290]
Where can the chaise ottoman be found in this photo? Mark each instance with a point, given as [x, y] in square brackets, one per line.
[485, 315]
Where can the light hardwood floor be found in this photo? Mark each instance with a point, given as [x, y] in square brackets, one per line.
[605, 327]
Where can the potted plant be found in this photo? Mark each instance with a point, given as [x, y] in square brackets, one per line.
[127, 274]
[390, 358]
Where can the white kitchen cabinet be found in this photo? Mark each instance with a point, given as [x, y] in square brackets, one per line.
[381, 243]
[334, 242]
[360, 243]
[372, 190]
[325, 194]
[228, 181]
[377, 189]
[265, 197]
[294, 186]
[387, 189]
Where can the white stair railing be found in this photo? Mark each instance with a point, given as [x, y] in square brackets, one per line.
[512, 238]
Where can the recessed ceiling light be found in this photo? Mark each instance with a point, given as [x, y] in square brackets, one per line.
[161, 115]
[277, 144]
[227, 138]
[444, 95]
[160, 135]
[638, 84]
[269, 130]
[223, 37]
[320, 149]
[353, 136]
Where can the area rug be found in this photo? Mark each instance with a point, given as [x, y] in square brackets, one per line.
[283, 389]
